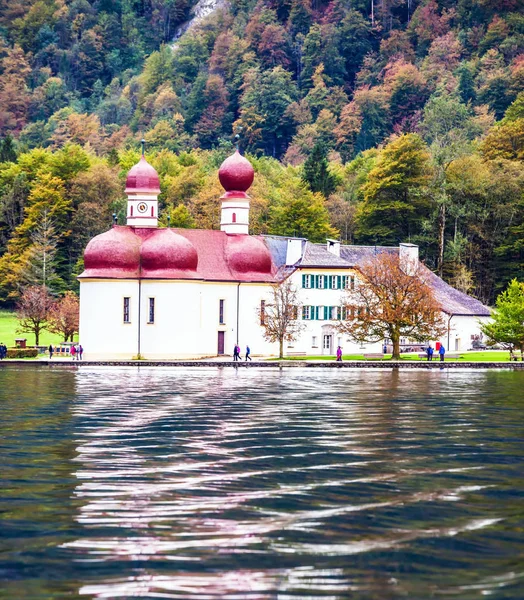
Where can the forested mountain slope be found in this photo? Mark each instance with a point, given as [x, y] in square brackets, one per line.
[418, 105]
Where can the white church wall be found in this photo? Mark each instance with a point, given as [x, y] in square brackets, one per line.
[103, 333]
[187, 318]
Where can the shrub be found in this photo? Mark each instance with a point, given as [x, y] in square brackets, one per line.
[22, 353]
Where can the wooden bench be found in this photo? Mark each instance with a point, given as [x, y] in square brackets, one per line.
[374, 355]
[436, 356]
[295, 354]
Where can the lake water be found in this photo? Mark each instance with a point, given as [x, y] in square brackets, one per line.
[261, 484]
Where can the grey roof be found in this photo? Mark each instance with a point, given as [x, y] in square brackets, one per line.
[277, 247]
[451, 300]
[317, 255]
[356, 255]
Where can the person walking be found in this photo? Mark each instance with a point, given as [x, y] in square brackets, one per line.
[73, 351]
[80, 351]
[339, 354]
[429, 352]
[248, 352]
[236, 352]
[441, 352]
[51, 350]
[3, 351]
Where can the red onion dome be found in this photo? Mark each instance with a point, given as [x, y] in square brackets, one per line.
[236, 173]
[165, 250]
[247, 254]
[142, 178]
[115, 250]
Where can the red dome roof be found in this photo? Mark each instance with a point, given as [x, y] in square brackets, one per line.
[236, 173]
[246, 254]
[142, 178]
[116, 250]
[166, 250]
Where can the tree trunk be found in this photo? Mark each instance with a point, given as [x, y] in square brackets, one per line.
[37, 336]
[395, 339]
[441, 230]
[281, 348]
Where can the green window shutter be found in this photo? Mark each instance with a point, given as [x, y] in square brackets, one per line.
[329, 281]
[316, 280]
[303, 281]
[315, 308]
[326, 313]
[339, 281]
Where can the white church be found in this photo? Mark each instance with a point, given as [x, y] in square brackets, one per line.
[164, 293]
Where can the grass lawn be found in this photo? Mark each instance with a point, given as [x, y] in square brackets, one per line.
[8, 326]
[484, 356]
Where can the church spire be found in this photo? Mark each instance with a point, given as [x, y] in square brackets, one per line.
[142, 189]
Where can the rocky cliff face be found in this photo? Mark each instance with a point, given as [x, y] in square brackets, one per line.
[199, 12]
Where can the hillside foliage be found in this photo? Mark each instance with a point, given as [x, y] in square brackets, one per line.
[377, 120]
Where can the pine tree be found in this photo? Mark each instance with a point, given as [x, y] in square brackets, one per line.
[7, 149]
[317, 174]
[39, 261]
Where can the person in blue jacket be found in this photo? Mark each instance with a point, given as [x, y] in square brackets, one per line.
[441, 352]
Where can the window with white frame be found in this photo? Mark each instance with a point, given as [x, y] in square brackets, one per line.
[314, 341]
[306, 281]
[321, 313]
[306, 313]
[321, 282]
[334, 282]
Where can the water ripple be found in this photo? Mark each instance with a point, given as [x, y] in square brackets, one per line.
[159, 483]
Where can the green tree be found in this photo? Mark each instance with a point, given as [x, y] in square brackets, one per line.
[317, 174]
[298, 211]
[396, 199]
[507, 326]
[7, 149]
[264, 104]
[38, 264]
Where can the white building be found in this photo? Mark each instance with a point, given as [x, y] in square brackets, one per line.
[187, 293]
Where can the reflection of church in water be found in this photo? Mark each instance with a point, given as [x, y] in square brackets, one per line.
[175, 293]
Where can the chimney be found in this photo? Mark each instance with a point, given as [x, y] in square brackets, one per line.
[333, 246]
[293, 250]
[408, 258]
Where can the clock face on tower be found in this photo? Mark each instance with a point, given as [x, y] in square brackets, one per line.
[142, 207]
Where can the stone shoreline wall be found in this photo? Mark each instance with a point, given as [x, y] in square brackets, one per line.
[269, 364]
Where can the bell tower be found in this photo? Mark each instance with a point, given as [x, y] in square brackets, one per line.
[142, 189]
[236, 176]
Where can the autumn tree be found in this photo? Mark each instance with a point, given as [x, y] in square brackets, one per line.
[279, 315]
[392, 300]
[32, 311]
[507, 326]
[64, 316]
